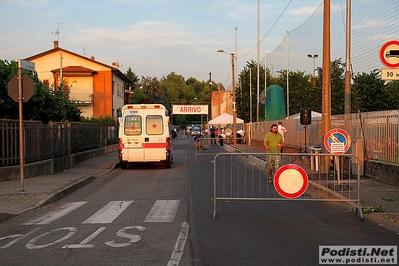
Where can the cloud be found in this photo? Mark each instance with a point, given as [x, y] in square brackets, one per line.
[149, 34]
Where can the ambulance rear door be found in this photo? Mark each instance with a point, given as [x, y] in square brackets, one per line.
[154, 144]
[133, 137]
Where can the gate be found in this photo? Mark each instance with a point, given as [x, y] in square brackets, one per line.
[208, 147]
[201, 147]
[182, 146]
[243, 176]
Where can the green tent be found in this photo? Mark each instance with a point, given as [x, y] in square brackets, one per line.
[274, 102]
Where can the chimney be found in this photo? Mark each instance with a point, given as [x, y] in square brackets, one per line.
[55, 44]
[93, 58]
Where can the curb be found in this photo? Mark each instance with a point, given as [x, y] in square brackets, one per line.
[68, 189]
[61, 192]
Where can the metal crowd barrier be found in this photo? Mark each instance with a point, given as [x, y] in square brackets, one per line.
[182, 145]
[243, 176]
[208, 147]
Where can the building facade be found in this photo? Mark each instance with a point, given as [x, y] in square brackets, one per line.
[98, 89]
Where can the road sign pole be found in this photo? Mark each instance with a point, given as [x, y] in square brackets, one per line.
[21, 129]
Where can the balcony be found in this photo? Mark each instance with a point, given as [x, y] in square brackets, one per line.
[82, 98]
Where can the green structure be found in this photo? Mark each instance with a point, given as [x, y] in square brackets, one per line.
[272, 106]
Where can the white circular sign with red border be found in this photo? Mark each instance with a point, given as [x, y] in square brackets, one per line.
[291, 181]
[389, 54]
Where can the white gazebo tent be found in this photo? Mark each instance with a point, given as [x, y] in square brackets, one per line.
[225, 119]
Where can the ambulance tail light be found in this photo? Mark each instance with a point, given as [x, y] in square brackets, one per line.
[120, 148]
[120, 144]
[168, 143]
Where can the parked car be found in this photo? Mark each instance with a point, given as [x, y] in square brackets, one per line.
[195, 131]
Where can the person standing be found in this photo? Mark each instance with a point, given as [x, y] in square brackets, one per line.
[273, 143]
[213, 135]
[282, 130]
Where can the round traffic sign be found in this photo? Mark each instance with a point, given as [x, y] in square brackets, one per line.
[228, 132]
[337, 141]
[389, 54]
[291, 181]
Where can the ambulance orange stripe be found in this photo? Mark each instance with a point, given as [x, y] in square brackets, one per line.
[154, 145]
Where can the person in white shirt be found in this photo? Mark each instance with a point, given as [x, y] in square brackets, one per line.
[282, 130]
[240, 136]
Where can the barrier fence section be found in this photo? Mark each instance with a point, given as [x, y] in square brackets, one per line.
[182, 145]
[243, 176]
[207, 147]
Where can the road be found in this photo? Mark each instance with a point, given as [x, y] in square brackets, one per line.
[270, 232]
[141, 216]
[128, 217]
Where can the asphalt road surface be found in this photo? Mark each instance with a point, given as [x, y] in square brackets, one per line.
[270, 232]
[136, 216]
[149, 215]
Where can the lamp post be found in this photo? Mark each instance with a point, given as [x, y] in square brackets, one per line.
[233, 85]
[314, 67]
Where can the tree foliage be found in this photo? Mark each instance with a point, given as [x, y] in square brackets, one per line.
[369, 93]
[45, 105]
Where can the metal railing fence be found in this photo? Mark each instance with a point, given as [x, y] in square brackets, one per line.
[50, 141]
[243, 176]
[379, 131]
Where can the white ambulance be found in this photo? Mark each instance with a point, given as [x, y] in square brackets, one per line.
[144, 134]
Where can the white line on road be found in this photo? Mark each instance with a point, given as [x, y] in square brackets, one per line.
[108, 213]
[162, 211]
[56, 214]
[179, 247]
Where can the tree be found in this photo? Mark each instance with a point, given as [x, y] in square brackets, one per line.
[370, 93]
[133, 78]
[393, 91]
[244, 91]
[302, 93]
[45, 105]
[337, 87]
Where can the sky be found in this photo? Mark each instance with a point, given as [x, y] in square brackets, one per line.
[152, 37]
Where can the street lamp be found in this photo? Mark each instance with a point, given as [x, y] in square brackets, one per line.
[233, 87]
[314, 67]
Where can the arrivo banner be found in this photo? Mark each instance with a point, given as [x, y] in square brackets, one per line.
[190, 109]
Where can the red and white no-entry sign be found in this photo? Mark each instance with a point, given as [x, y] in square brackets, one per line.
[291, 181]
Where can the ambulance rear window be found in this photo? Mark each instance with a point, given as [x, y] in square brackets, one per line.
[133, 125]
[154, 124]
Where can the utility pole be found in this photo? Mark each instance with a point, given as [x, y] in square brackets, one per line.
[257, 66]
[326, 80]
[348, 75]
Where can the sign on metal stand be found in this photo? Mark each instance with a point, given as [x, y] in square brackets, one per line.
[21, 89]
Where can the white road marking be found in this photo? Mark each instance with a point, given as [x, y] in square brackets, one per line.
[56, 214]
[18, 237]
[162, 211]
[125, 233]
[32, 243]
[85, 243]
[179, 247]
[108, 213]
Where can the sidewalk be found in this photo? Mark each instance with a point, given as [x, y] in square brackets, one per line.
[41, 190]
